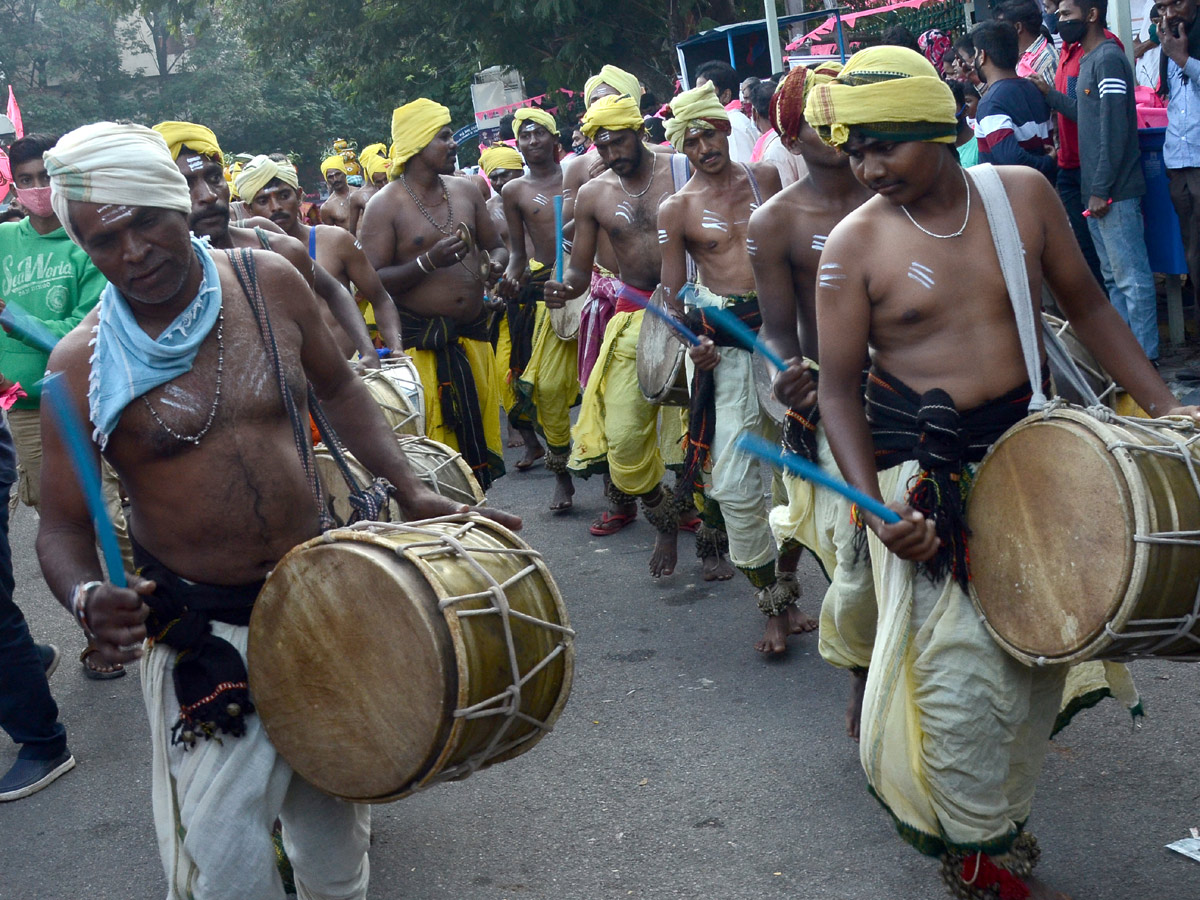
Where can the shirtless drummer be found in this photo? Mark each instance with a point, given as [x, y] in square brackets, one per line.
[411, 234]
[195, 434]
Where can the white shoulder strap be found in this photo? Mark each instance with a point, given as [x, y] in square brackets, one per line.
[1007, 238]
[681, 171]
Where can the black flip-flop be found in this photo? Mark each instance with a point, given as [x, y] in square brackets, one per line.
[96, 674]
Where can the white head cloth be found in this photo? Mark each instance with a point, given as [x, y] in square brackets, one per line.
[126, 165]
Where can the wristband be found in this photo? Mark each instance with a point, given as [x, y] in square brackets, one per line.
[421, 265]
[79, 600]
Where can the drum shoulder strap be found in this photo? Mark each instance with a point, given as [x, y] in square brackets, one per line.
[753, 184]
[681, 171]
[1007, 240]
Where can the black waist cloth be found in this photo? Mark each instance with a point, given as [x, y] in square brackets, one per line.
[456, 389]
[211, 683]
[927, 427]
[702, 405]
[800, 429]
[522, 319]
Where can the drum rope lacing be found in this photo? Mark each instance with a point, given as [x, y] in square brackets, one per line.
[1172, 630]
[508, 702]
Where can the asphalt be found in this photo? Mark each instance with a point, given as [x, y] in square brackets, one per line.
[684, 765]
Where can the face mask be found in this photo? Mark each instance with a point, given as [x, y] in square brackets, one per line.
[37, 201]
[1072, 32]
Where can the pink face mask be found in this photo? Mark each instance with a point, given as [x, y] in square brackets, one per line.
[36, 200]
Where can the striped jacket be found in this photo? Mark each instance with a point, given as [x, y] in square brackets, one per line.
[1013, 126]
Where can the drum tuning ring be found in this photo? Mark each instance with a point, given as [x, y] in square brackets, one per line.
[234, 710]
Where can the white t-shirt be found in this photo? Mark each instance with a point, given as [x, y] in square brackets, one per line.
[743, 137]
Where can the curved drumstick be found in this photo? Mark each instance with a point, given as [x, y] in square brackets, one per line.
[809, 471]
[558, 237]
[682, 331]
[75, 439]
[16, 319]
[728, 322]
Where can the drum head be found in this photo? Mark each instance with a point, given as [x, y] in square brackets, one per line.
[353, 628]
[391, 390]
[660, 359]
[1052, 531]
[764, 376]
[565, 320]
[443, 469]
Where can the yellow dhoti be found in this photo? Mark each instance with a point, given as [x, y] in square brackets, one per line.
[551, 382]
[617, 429]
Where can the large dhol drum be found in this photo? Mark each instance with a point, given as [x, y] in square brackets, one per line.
[385, 658]
[764, 386]
[442, 468]
[1085, 538]
[565, 319]
[396, 387]
[660, 370]
[1093, 373]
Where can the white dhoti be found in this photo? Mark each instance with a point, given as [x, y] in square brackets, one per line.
[820, 520]
[215, 805]
[954, 730]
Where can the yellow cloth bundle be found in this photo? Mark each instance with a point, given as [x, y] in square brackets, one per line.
[331, 163]
[697, 108]
[414, 125]
[538, 116]
[612, 113]
[498, 156]
[887, 93]
[195, 137]
[373, 150]
[374, 164]
[259, 172]
[618, 79]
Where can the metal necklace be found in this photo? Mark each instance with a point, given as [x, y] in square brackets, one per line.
[194, 439]
[966, 218]
[642, 192]
[444, 229]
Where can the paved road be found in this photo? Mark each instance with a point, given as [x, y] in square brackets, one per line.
[684, 766]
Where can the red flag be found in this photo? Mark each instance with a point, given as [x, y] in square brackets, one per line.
[14, 113]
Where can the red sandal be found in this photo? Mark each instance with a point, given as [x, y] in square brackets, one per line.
[611, 523]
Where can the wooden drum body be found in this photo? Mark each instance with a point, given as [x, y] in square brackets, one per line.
[662, 376]
[1098, 379]
[385, 658]
[396, 387]
[1085, 538]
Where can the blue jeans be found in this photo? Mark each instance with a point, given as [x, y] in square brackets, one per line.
[1121, 246]
[27, 711]
[1068, 192]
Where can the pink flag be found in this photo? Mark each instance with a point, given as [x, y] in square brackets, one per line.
[14, 113]
[5, 175]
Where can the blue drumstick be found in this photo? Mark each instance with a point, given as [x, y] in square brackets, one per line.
[558, 237]
[74, 439]
[798, 465]
[654, 309]
[29, 328]
[728, 322]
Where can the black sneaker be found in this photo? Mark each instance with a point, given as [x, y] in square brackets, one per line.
[50, 656]
[28, 776]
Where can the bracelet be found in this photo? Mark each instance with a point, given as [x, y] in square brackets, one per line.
[421, 265]
[79, 600]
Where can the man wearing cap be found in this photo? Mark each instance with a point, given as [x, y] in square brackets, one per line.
[545, 367]
[198, 158]
[707, 219]
[271, 188]
[785, 238]
[954, 730]
[336, 209]
[191, 370]
[423, 233]
[618, 432]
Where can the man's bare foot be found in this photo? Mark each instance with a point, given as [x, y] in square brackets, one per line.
[514, 439]
[613, 519]
[1039, 890]
[564, 490]
[716, 568]
[665, 555]
[858, 687]
[533, 452]
[774, 640]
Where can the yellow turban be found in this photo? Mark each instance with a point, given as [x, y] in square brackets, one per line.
[414, 125]
[373, 150]
[697, 108]
[333, 162]
[234, 171]
[539, 116]
[261, 170]
[498, 156]
[887, 93]
[618, 79]
[612, 114]
[196, 138]
[375, 163]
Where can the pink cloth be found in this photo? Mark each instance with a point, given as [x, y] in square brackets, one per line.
[14, 113]
[11, 395]
[594, 319]
[761, 144]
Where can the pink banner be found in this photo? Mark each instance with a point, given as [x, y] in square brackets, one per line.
[829, 24]
[14, 113]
